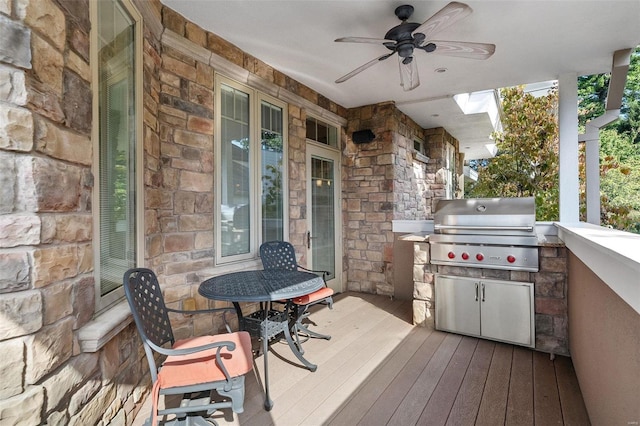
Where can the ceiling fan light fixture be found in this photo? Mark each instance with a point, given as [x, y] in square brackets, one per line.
[405, 51]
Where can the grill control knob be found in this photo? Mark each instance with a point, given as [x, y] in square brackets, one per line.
[511, 259]
[479, 257]
[465, 256]
[451, 255]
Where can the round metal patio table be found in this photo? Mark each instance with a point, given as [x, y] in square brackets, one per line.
[264, 286]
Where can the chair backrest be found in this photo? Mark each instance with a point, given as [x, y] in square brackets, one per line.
[278, 255]
[145, 299]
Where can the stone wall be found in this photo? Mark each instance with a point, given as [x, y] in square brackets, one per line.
[436, 141]
[180, 207]
[383, 181]
[46, 251]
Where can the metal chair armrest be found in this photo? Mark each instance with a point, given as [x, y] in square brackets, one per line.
[323, 273]
[187, 351]
[200, 311]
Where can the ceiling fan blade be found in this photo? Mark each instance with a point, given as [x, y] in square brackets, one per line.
[445, 17]
[464, 49]
[363, 67]
[409, 78]
[363, 40]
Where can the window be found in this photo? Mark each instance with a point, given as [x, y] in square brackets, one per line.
[322, 132]
[420, 153]
[251, 177]
[450, 170]
[116, 55]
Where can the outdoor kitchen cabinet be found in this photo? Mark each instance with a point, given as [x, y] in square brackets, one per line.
[491, 309]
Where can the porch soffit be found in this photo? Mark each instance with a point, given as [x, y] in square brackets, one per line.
[535, 41]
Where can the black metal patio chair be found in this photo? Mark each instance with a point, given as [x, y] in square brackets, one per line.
[282, 255]
[193, 366]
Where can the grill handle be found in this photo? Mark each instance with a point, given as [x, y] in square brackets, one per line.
[437, 227]
[476, 292]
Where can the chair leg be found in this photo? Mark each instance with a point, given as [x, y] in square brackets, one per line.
[195, 421]
[192, 421]
[298, 341]
[236, 394]
[297, 353]
[310, 333]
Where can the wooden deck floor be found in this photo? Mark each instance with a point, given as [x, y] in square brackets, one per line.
[378, 369]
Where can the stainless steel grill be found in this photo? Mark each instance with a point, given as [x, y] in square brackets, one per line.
[493, 233]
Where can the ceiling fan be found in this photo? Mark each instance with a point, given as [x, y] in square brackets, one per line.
[405, 38]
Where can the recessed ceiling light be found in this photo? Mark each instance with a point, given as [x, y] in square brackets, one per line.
[440, 70]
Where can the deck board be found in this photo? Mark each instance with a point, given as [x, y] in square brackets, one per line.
[411, 407]
[397, 389]
[356, 405]
[545, 391]
[573, 409]
[467, 403]
[378, 369]
[444, 395]
[520, 403]
[496, 390]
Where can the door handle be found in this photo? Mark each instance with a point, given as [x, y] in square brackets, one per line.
[476, 292]
[483, 292]
[309, 237]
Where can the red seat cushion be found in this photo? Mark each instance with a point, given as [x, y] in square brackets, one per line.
[201, 367]
[314, 297]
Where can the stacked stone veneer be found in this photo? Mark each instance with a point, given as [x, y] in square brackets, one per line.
[436, 141]
[384, 180]
[550, 290]
[47, 282]
[46, 252]
[180, 208]
[374, 191]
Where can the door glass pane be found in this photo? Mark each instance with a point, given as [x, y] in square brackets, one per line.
[271, 159]
[117, 147]
[323, 215]
[235, 172]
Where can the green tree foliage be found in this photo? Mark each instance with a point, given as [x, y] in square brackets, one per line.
[619, 148]
[527, 161]
[629, 122]
[592, 93]
[526, 164]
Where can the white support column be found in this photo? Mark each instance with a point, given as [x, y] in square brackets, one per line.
[568, 148]
[592, 153]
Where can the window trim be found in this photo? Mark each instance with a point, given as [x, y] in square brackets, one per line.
[420, 154]
[328, 123]
[255, 182]
[110, 299]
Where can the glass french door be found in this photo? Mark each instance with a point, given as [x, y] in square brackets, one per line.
[324, 240]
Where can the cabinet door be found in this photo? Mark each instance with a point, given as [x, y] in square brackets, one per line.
[506, 311]
[457, 307]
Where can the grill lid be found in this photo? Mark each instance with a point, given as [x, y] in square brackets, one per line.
[488, 216]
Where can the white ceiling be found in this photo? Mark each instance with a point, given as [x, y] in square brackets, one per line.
[535, 41]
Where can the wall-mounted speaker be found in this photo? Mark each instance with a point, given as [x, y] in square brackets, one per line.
[363, 136]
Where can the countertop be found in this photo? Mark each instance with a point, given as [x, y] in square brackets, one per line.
[543, 240]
